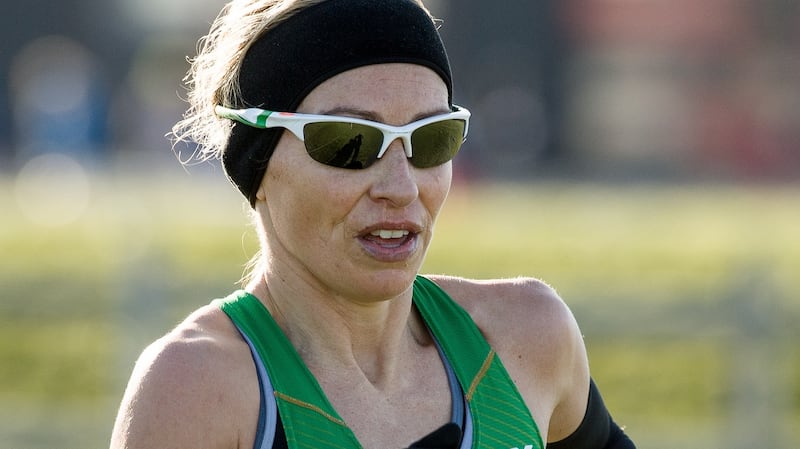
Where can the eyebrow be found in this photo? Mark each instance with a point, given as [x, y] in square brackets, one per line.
[374, 116]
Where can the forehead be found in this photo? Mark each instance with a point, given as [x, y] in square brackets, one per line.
[380, 86]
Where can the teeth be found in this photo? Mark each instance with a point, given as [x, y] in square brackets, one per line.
[389, 234]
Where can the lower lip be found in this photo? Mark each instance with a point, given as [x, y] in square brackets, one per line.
[390, 250]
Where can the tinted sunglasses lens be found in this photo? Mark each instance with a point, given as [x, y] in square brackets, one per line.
[343, 145]
[436, 143]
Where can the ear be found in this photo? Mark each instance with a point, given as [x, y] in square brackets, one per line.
[261, 193]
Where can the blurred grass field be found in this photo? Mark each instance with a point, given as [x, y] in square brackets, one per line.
[687, 294]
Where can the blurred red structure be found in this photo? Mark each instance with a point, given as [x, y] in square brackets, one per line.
[728, 72]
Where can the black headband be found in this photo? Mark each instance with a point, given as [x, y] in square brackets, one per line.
[326, 39]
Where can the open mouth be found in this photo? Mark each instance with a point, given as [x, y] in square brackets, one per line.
[386, 234]
[390, 245]
[389, 237]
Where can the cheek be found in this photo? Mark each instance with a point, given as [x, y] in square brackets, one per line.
[436, 188]
[304, 197]
[287, 191]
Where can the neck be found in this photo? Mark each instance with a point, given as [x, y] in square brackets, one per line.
[334, 333]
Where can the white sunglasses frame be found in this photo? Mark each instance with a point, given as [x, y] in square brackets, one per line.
[294, 122]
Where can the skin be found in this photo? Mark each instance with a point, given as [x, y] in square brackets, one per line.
[343, 298]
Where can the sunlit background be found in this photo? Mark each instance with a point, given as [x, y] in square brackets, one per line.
[642, 156]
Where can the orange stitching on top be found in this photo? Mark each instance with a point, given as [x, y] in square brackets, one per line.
[311, 407]
[481, 373]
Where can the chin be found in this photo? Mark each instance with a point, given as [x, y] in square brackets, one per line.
[386, 284]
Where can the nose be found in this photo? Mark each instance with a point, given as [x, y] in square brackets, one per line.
[395, 180]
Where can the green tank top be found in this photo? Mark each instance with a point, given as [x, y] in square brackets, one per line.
[500, 418]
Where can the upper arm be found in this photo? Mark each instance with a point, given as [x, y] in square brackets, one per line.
[573, 374]
[175, 399]
[538, 339]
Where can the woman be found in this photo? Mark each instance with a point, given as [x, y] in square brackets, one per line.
[335, 341]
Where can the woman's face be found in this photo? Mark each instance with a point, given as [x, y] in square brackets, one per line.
[358, 233]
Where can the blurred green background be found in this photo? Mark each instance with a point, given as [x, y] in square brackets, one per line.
[643, 158]
[687, 294]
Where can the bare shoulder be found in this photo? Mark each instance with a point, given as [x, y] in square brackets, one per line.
[535, 334]
[511, 307]
[180, 393]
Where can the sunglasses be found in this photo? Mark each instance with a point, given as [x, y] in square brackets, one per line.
[354, 143]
